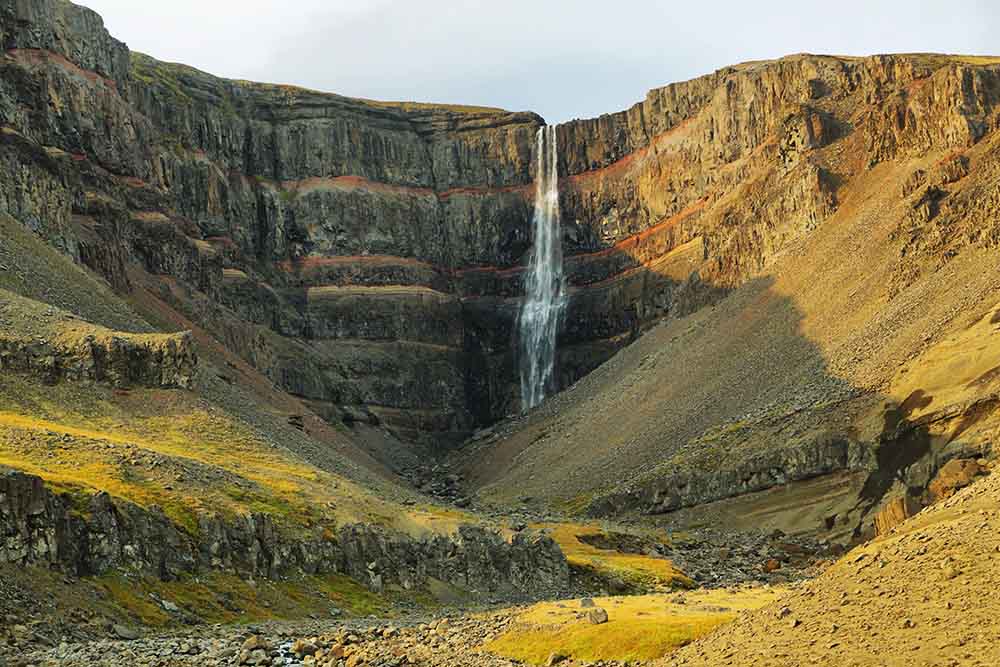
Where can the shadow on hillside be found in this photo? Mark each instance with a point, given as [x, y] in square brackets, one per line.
[725, 398]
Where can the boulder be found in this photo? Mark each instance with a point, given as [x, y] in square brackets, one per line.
[597, 616]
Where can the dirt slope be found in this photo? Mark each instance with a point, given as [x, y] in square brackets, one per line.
[865, 348]
[923, 595]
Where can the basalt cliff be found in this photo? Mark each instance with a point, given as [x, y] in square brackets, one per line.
[367, 257]
[777, 244]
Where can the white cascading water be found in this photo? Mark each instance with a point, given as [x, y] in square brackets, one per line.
[544, 287]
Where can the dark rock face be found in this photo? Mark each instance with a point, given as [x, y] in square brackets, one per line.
[354, 251]
[120, 360]
[688, 488]
[38, 527]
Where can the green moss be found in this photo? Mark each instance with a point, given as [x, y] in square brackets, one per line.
[124, 594]
[76, 497]
[163, 76]
[351, 596]
[224, 598]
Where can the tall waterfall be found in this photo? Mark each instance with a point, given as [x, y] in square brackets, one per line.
[545, 288]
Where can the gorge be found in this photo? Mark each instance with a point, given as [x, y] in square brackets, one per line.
[707, 365]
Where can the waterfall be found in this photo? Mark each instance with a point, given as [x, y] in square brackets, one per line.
[544, 286]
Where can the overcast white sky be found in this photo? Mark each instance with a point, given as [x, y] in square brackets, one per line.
[562, 58]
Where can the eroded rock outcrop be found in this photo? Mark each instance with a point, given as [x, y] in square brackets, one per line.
[39, 527]
[118, 359]
[54, 345]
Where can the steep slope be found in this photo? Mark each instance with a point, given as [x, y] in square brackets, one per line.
[923, 594]
[161, 456]
[844, 206]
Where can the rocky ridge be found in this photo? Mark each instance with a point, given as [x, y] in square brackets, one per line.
[41, 528]
[55, 346]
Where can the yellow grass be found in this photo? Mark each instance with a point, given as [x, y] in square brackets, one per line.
[91, 438]
[633, 568]
[639, 628]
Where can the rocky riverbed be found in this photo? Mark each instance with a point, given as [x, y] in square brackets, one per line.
[444, 640]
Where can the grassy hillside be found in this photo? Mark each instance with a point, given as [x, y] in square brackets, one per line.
[220, 447]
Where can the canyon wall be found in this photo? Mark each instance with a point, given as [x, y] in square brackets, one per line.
[368, 256]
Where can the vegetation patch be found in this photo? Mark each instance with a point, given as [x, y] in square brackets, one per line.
[159, 74]
[225, 598]
[174, 450]
[592, 551]
[644, 627]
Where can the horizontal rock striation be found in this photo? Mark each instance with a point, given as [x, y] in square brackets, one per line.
[39, 527]
[319, 235]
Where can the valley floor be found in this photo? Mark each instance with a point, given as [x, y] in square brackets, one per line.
[922, 595]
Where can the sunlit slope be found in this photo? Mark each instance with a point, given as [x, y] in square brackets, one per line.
[221, 444]
[924, 594]
[825, 345]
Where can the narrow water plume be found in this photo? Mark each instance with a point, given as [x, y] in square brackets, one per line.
[544, 301]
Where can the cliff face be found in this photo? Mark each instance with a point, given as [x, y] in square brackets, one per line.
[43, 529]
[840, 215]
[367, 256]
[324, 238]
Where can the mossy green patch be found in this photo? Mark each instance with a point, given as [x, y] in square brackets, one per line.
[162, 75]
[225, 598]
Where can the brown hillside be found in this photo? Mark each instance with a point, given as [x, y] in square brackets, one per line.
[861, 347]
[922, 595]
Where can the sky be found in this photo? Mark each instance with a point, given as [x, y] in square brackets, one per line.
[563, 59]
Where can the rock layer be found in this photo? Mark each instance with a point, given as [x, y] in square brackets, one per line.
[357, 251]
[38, 527]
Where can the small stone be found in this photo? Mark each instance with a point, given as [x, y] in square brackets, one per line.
[303, 648]
[587, 603]
[253, 643]
[125, 632]
[555, 659]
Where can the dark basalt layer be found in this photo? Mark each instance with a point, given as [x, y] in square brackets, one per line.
[40, 528]
[371, 251]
